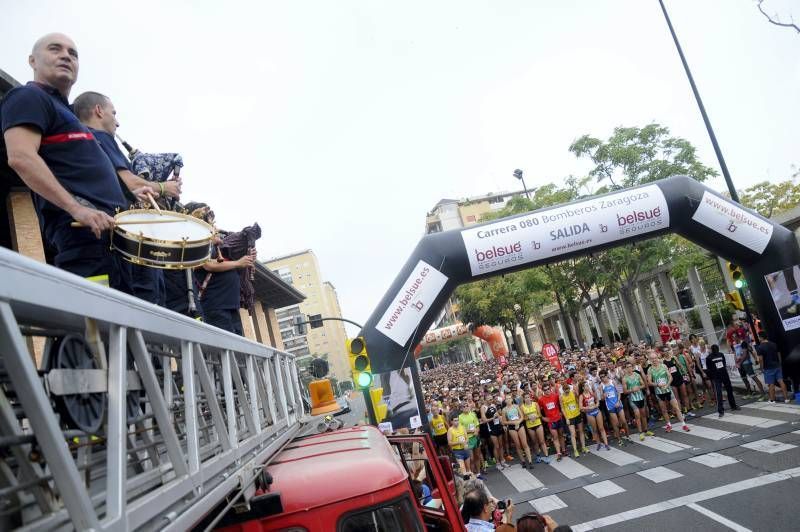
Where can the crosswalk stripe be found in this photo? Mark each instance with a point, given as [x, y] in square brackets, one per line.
[616, 456]
[786, 408]
[570, 468]
[768, 446]
[707, 432]
[604, 489]
[521, 479]
[750, 421]
[545, 505]
[662, 444]
[659, 474]
[714, 460]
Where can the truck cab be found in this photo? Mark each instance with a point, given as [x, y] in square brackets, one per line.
[354, 480]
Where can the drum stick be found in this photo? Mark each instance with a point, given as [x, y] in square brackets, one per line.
[134, 222]
[153, 202]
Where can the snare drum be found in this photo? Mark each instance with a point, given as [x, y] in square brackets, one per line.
[182, 244]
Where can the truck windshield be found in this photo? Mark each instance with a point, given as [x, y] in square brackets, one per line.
[385, 517]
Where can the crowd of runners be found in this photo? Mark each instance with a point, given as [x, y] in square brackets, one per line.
[487, 415]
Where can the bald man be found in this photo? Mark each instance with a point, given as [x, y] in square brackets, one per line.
[58, 158]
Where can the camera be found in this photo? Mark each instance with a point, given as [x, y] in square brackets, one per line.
[502, 505]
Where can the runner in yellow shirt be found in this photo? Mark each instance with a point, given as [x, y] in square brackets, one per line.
[439, 429]
[572, 415]
[457, 439]
[533, 425]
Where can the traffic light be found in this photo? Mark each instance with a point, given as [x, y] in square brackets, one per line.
[359, 363]
[299, 325]
[735, 299]
[737, 275]
[380, 408]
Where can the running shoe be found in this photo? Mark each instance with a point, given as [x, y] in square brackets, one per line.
[599, 446]
[524, 465]
[480, 476]
[558, 457]
[787, 401]
[504, 464]
[668, 428]
[585, 450]
[620, 442]
[648, 433]
[747, 396]
[608, 448]
[538, 459]
[691, 414]
[641, 436]
[485, 464]
[577, 454]
[685, 427]
[499, 467]
[509, 458]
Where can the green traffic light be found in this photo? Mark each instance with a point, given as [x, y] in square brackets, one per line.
[739, 283]
[364, 379]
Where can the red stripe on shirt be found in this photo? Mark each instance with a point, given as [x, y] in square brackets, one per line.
[67, 137]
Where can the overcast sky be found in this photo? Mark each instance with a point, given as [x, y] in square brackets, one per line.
[338, 125]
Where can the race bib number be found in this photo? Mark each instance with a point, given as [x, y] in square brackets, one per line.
[496, 421]
[611, 395]
[673, 369]
[532, 417]
[719, 364]
[661, 382]
[471, 427]
[551, 405]
[572, 407]
[439, 426]
[462, 439]
[513, 417]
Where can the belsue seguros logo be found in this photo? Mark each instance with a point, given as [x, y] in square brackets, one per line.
[497, 252]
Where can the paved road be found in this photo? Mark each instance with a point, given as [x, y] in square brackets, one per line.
[741, 472]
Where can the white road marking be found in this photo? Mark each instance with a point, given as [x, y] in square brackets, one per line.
[521, 479]
[768, 446]
[662, 444]
[718, 518]
[548, 504]
[750, 421]
[706, 432]
[659, 474]
[604, 489]
[616, 456]
[786, 408]
[570, 468]
[714, 460]
[685, 500]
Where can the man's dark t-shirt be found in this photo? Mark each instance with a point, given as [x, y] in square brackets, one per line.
[769, 352]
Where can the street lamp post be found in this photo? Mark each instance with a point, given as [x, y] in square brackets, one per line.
[518, 175]
[706, 121]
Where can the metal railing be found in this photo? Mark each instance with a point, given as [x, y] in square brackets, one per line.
[135, 418]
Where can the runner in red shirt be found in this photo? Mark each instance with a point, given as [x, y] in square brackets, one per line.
[664, 332]
[674, 331]
[551, 414]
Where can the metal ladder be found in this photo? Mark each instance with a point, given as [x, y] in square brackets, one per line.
[182, 413]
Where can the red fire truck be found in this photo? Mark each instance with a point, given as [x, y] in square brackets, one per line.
[353, 479]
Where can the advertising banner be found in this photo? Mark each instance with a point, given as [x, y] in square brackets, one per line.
[733, 222]
[562, 230]
[550, 353]
[400, 399]
[783, 286]
[411, 303]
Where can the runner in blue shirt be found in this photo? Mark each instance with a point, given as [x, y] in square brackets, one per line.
[616, 412]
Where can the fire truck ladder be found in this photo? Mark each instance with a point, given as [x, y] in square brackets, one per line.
[116, 414]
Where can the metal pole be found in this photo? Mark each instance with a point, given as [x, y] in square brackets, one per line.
[525, 188]
[717, 150]
[373, 420]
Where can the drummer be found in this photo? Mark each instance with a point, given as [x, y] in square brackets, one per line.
[218, 279]
[97, 112]
[58, 158]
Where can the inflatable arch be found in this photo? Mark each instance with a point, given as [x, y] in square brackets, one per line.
[491, 335]
[679, 204]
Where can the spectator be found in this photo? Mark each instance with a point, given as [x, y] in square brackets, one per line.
[769, 358]
[535, 522]
[477, 512]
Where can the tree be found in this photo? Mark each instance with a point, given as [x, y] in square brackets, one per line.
[634, 156]
[768, 199]
[776, 19]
